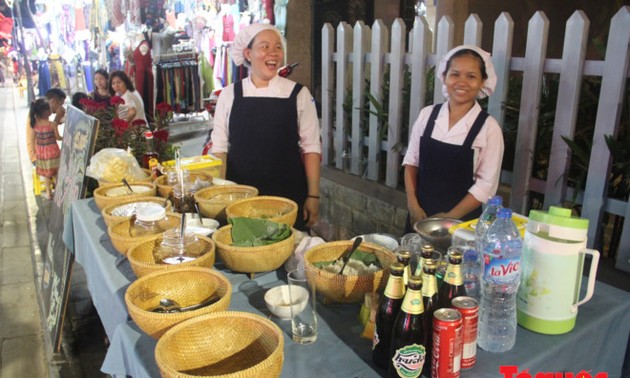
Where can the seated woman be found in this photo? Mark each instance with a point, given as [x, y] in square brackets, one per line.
[133, 109]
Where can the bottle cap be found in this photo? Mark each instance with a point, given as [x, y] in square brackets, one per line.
[495, 201]
[150, 212]
[397, 269]
[504, 213]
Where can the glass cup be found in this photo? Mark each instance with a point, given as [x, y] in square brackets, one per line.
[303, 315]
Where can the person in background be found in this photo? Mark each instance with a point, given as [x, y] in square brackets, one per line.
[101, 87]
[56, 98]
[266, 129]
[45, 136]
[76, 100]
[133, 108]
[453, 160]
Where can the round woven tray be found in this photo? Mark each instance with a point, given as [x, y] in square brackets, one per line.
[111, 219]
[275, 209]
[143, 262]
[342, 288]
[252, 259]
[213, 200]
[103, 200]
[164, 190]
[122, 240]
[186, 286]
[226, 344]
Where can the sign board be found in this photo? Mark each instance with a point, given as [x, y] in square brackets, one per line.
[79, 137]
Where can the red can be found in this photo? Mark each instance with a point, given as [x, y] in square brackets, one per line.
[469, 309]
[447, 343]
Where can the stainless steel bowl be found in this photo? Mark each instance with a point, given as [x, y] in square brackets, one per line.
[435, 231]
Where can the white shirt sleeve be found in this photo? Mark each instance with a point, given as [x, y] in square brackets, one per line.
[310, 138]
[220, 131]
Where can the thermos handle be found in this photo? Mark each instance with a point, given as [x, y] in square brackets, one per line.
[590, 288]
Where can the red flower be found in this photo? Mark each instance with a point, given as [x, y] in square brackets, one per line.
[120, 126]
[92, 106]
[117, 100]
[161, 135]
[163, 109]
[138, 122]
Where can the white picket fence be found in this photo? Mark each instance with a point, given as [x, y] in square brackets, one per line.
[363, 53]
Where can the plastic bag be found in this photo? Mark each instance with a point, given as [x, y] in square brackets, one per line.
[113, 164]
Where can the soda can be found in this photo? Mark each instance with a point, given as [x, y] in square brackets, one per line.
[447, 343]
[469, 309]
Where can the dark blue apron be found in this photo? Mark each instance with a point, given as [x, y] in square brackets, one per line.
[264, 149]
[445, 171]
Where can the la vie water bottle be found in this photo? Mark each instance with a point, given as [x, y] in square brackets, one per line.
[501, 248]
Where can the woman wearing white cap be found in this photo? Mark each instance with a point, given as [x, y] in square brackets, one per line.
[453, 160]
[266, 129]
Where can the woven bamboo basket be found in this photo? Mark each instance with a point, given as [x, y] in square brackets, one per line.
[143, 262]
[187, 286]
[148, 179]
[252, 259]
[111, 219]
[226, 344]
[103, 200]
[120, 232]
[275, 209]
[346, 288]
[164, 190]
[213, 200]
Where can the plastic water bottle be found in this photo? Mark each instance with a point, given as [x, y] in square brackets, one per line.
[471, 270]
[487, 217]
[501, 248]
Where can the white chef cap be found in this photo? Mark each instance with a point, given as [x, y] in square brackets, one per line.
[245, 37]
[491, 81]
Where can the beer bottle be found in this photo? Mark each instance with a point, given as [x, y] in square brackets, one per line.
[426, 253]
[453, 285]
[408, 335]
[388, 308]
[429, 300]
[403, 256]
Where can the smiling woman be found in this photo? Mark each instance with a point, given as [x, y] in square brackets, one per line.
[266, 129]
[455, 150]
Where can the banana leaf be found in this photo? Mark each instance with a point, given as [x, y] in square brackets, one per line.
[252, 232]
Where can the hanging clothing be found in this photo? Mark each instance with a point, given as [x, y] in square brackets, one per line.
[228, 28]
[143, 75]
[46, 149]
[44, 81]
[267, 6]
[264, 151]
[178, 83]
[57, 75]
[455, 161]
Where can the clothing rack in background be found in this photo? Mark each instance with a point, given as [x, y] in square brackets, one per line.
[178, 82]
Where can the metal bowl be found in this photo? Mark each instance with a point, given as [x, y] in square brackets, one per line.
[435, 231]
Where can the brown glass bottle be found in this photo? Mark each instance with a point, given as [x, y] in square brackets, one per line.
[388, 309]
[403, 256]
[453, 285]
[408, 335]
[429, 300]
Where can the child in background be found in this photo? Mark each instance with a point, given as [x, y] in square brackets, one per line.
[45, 139]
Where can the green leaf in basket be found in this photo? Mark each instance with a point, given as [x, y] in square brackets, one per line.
[250, 232]
[365, 257]
[321, 264]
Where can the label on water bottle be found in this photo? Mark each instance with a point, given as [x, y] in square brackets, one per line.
[502, 271]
